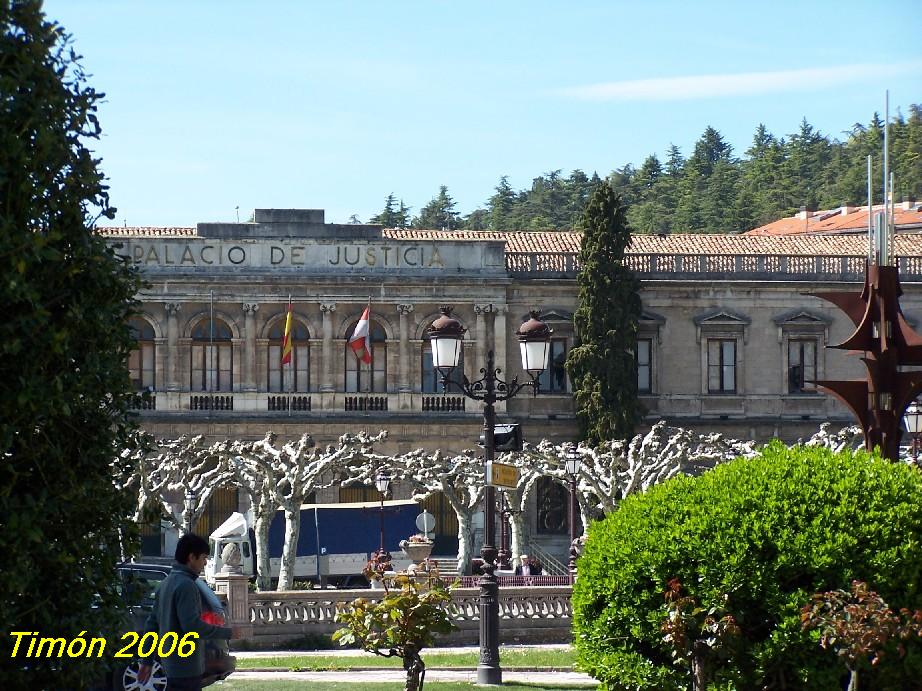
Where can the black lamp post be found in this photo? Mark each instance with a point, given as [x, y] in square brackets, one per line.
[446, 334]
[189, 509]
[382, 482]
[571, 466]
[505, 554]
[912, 418]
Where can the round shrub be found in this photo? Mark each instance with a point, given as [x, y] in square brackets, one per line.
[751, 540]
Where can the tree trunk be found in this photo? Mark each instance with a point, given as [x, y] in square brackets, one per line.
[699, 670]
[263, 567]
[290, 550]
[853, 680]
[519, 532]
[465, 542]
[700, 653]
[415, 668]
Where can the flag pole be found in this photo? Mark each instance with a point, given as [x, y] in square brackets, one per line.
[210, 359]
[291, 386]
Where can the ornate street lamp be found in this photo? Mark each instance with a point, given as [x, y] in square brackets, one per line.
[572, 467]
[504, 555]
[445, 335]
[382, 483]
[189, 508]
[912, 418]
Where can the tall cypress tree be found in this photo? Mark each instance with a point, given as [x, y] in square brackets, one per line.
[65, 390]
[602, 365]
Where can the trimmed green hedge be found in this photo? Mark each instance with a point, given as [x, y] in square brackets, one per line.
[755, 538]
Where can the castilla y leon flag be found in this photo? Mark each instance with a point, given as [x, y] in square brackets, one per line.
[360, 343]
[286, 339]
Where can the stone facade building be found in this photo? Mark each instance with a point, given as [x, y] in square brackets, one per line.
[729, 341]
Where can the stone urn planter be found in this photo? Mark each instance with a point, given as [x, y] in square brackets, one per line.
[417, 551]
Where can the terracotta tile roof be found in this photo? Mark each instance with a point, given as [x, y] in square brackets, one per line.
[834, 244]
[843, 220]
[146, 231]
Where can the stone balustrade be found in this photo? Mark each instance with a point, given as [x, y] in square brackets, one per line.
[758, 266]
[527, 613]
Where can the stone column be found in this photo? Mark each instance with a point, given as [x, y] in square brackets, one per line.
[481, 335]
[403, 374]
[172, 345]
[326, 351]
[498, 335]
[234, 586]
[248, 379]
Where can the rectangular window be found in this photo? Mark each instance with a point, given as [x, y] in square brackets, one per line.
[295, 374]
[554, 378]
[141, 366]
[211, 367]
[364, 378]
[801, 365]
[721, 366]
[432, 380]
[644, 358]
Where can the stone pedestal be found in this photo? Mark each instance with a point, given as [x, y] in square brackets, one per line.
[234, 586]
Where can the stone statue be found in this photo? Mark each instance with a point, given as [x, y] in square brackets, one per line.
[230, 558]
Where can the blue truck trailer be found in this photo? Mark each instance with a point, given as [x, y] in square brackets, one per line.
[334, 544]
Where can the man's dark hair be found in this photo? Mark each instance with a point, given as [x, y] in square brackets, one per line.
[190, 544]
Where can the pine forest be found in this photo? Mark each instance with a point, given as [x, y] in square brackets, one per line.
[710, 190]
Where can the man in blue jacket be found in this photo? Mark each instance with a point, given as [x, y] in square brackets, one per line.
[178, 608]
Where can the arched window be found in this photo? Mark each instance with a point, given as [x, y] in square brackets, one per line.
[294, 375]
[212, 356]
[141, 359]
[431, 379]
[361, 377]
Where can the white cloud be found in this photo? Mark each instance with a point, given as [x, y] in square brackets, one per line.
[750, 83]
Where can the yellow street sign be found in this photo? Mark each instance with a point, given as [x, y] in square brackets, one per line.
[502, 475]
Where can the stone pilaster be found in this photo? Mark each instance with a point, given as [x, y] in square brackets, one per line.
[326, 350]
[172, 345]
[483, 314]
[403, 374]
[498, 338]
[248, 379]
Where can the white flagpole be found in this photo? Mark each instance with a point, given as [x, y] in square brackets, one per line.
[291, 386]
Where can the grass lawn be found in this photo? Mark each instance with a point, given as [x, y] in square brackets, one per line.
[279, 685]
[555, 658]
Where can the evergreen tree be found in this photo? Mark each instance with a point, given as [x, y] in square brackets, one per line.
[602, 365]
[389, 216]
[501, 205]
[439, 213]
[402, 219]
[65, 392]
[478, 219]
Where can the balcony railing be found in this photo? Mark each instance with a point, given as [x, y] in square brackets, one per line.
[785, 266]
[286, 402]
[316, 403]
[443, 404]
[211, 402]
[144, 401]
[365, 403]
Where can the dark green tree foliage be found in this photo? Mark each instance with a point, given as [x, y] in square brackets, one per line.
[602, 365]
[392, 215]
[65, 389]
[439, 213]
[713, 191]
[753, 540]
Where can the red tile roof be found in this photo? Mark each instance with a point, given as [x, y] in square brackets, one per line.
[833, 244]
[843, 220]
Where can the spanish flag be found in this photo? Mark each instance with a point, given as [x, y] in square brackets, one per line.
[360, 342]
[286, 339]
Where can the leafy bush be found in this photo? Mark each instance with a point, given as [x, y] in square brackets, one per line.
[753, 539]
[65, 390]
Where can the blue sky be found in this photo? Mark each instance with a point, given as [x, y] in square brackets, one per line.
[214, 105]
